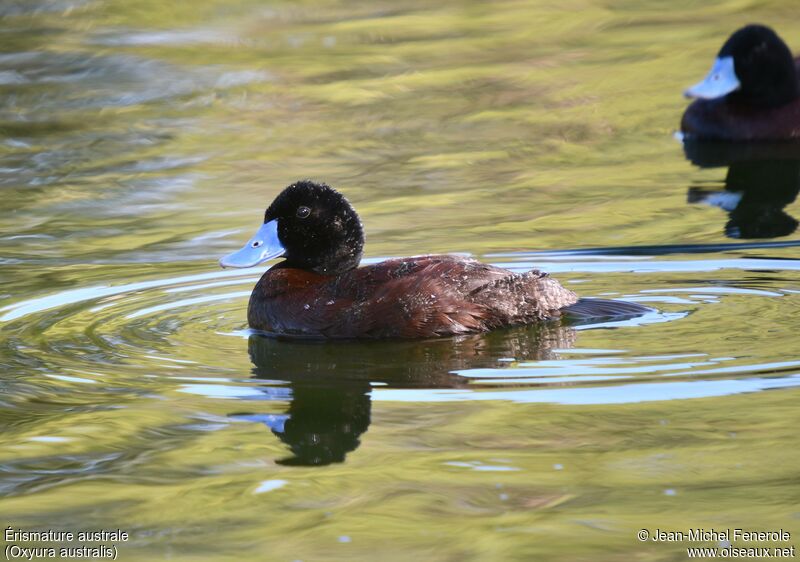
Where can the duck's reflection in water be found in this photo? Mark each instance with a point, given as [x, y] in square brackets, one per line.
[762, 179]
[331, 382]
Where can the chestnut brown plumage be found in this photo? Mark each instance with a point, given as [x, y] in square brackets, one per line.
[414, 297]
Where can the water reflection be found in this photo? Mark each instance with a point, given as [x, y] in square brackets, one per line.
[331, 383]
[761, 181]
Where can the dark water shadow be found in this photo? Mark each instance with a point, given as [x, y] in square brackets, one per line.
[331, 383]
[762, 180]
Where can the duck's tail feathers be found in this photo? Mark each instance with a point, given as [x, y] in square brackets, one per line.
[593, 310]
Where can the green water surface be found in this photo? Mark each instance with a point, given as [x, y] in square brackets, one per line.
[140, 141]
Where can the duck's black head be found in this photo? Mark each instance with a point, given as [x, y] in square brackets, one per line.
[754, 67]
[311, 225]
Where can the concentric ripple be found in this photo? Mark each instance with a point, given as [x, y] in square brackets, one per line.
[190, 331]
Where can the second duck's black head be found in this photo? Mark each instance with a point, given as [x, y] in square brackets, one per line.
[754, 67]
[311, 225]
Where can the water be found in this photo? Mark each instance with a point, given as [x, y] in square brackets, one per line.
[140, 142]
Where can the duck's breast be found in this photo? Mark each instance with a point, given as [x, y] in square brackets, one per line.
[724, 120]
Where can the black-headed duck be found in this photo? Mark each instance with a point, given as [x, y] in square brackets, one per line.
[751, 94]
[319, 290]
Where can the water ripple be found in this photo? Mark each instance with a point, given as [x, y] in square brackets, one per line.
[189, 325]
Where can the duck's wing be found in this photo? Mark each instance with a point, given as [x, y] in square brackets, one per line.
[448, 295]
[423, 296]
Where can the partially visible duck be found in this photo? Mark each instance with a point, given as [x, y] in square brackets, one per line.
[319, 291]
[751, 94]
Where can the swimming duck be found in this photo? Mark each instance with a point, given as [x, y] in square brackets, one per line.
[319, 290]
[751, 93]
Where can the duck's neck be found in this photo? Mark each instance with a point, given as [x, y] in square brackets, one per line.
[328, 267]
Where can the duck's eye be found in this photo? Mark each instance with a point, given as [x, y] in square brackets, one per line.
[256, 243]
[303, 212]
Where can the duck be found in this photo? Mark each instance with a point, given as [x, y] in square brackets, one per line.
[752, 92]
[320, 291]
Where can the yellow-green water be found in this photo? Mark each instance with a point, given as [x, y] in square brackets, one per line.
[141, 141]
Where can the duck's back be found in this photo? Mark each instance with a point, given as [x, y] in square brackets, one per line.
[415, 297]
